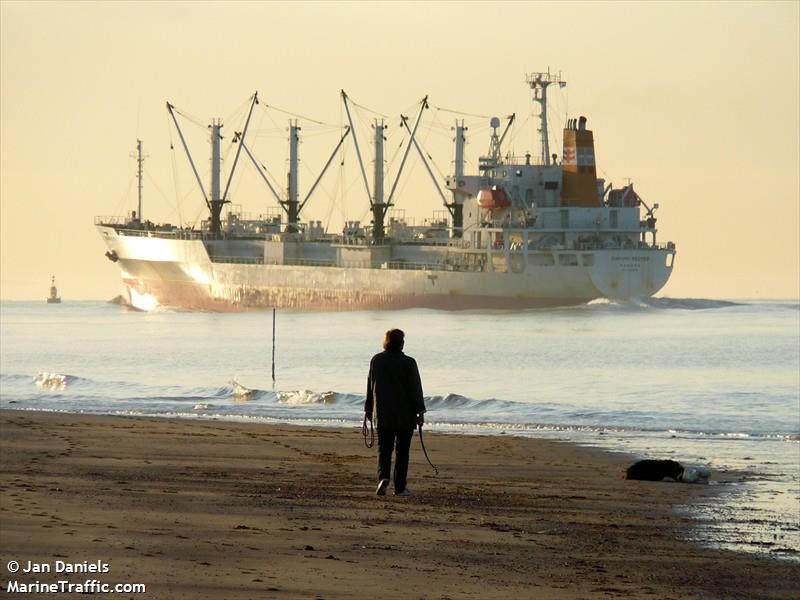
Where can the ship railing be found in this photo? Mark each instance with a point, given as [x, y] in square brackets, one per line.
[260, 260]
[390, 265]
[423, 241]
[406, 240]
[309, 262]
[667, 246]
[172, 234]
[416, 266]
[111, 220]
[593, 246]
[351, 240]
[124, 226]
[242, 260]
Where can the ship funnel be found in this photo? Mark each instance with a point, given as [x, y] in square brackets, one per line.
[579, 175]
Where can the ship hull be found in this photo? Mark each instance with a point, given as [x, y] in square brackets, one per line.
[179, 273]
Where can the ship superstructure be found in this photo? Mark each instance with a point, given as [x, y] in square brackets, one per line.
[521, 232]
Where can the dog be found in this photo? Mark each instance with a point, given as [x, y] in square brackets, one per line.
[655, 470]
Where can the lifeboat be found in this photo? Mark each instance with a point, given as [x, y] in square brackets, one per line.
[493, 197]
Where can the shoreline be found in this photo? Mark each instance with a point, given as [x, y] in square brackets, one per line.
[208, 508]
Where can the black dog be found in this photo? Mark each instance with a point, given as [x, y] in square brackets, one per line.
[655, 470]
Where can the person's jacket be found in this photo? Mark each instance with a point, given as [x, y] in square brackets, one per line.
[394, 391]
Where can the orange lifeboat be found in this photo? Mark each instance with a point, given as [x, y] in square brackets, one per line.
[493, 197]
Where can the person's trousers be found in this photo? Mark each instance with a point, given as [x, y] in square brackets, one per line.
[388, 440]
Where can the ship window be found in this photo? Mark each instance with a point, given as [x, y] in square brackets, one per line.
[565, 219]
[588, 260]
[518, 173]
[614, 219]
[568, 260]
[669, 260]
[529, 196]
[551, 185]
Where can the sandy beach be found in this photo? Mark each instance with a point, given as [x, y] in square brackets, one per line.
[225, 510]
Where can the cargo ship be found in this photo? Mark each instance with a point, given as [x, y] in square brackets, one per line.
[521, 232]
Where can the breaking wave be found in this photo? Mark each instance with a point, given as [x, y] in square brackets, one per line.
[54, 381]
[240, 391]
[307, 397]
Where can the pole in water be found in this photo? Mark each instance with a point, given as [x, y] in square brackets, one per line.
[273, 346]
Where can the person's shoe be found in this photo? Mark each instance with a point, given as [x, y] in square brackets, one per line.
[382, 485]
[405, 492]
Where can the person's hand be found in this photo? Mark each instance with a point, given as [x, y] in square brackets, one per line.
[420, 419]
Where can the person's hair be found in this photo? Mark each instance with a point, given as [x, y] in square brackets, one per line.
[393, 340]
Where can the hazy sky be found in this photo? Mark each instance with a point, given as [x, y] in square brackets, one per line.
[698, 103]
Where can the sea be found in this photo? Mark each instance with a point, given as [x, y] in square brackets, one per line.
[704, 382]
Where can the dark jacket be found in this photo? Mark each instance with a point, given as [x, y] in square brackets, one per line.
[394, 389]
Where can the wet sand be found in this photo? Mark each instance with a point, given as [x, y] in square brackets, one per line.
[224, 510]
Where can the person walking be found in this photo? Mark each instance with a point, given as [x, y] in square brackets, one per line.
[394, 399]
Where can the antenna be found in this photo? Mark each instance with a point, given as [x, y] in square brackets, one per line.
[539, 82]
[139, 171]
[496, 141]
[494, 144]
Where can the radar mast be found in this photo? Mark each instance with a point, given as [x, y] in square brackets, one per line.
[139, 172]
[539, 82]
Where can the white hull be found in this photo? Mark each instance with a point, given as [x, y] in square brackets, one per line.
[179, 273]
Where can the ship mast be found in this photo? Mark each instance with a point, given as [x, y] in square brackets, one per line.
[291, 202]
[139, 172]
[216, 167]
[539, 82]
[291, 205]
[458, 174]
[217, 200]
[378, 206]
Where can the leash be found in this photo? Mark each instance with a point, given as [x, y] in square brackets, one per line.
[371, 441]
[425, 452]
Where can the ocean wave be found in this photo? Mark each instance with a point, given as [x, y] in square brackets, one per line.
[14, 378]
[63, 390]
[665, 303]
[689, 303]
[241, 392]
[307, 397]
[448, 401]
[54, 381]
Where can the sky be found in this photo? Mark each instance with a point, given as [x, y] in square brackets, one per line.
[697, 103]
